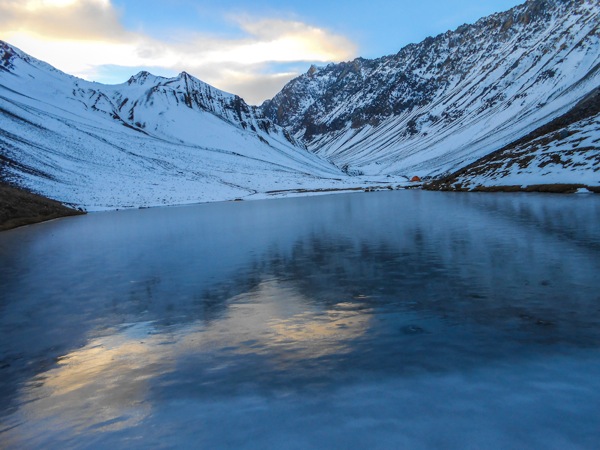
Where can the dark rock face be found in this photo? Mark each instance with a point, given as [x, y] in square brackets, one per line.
[6, 56]
[372, 90]
[497, 63]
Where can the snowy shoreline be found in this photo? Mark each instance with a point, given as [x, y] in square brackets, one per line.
[37, 215]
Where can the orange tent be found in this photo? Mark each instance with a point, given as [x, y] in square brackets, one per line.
[415, 179]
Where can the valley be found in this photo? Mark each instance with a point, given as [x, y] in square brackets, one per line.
[508, 102]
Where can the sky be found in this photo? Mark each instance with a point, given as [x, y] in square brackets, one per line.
[248, 48]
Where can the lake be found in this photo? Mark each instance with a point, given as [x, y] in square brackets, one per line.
[405, 319]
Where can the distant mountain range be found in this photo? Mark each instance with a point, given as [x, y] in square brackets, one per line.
[511, 99]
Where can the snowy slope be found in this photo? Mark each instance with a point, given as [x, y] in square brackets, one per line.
[564, 151]
[149, 141]
[572, 157]
[439, 105]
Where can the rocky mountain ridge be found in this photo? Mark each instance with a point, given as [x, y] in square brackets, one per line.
[441, 104]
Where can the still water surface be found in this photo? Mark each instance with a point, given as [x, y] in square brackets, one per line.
[384, 320]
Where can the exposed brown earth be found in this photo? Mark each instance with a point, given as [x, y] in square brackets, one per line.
[19, 207]
[548, 188]
[518, 152]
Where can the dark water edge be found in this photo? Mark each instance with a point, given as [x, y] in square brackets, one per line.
[406, 318]
[451, 184]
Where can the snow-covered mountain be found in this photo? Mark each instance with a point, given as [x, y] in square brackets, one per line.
[500, 101]
[149, 141]
[440, 105]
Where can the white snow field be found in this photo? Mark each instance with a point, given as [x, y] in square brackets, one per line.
[148, 142]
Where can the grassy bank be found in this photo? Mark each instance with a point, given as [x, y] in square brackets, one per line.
[19, 207]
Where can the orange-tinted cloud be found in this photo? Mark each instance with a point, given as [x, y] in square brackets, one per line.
[80, 36]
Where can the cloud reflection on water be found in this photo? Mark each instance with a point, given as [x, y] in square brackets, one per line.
[112, 321]
[107, 385]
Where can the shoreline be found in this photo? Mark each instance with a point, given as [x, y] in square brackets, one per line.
[19, 207]
[556, 188]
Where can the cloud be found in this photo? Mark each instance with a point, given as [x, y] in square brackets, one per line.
[63, 19]
[254, 83]
[82, 36]
[315, 43]
[286, 41]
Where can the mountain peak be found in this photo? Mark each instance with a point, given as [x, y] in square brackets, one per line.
[8, 53]
[14, 60]
[141, 78]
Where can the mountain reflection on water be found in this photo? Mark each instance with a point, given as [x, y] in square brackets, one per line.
[402, 318]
